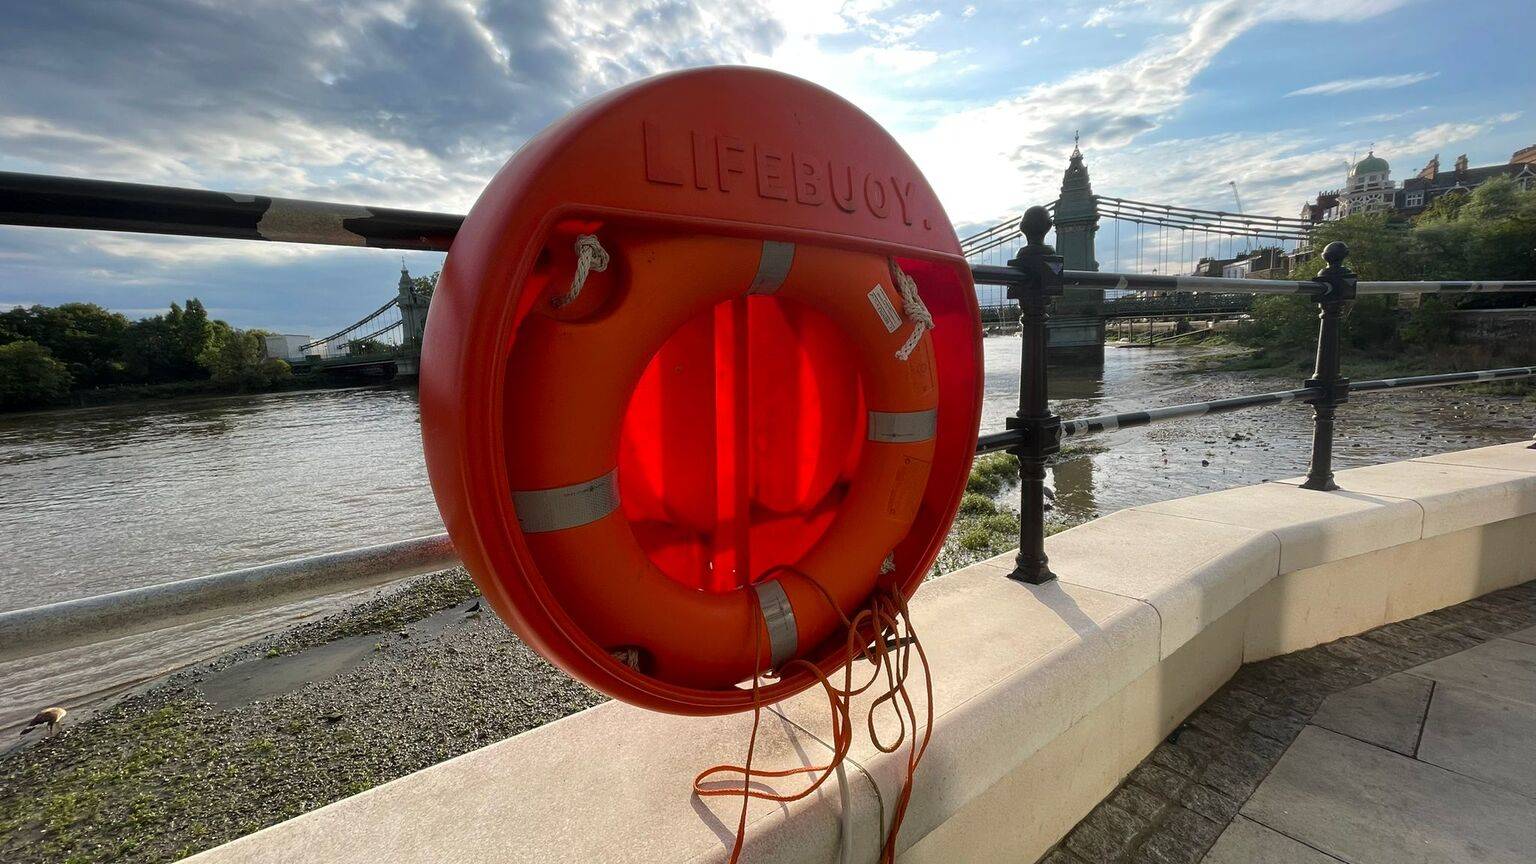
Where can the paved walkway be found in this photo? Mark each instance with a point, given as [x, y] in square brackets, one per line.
[1415, 742]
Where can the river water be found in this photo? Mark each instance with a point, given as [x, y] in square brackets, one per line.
[102, 499]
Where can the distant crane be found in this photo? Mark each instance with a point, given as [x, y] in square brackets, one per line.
[1235, 196]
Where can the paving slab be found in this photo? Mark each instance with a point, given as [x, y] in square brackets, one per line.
[1248, 842]
[1482, 736]
[1367, 805]
[1388, 713]
[1499, 667]
[1528, 636]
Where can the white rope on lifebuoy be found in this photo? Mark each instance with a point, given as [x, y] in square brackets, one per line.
[916, 311]
[590, 257]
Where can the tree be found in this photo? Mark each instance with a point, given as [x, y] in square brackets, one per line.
[83, 336]
[151, 349]
[359, 347]
[30, 376]
[169, 347]
[238, 358]
[426, 286]
[1487, 234]
[1379, 246]
[192, 334]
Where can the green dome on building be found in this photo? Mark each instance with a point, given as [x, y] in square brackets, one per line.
[1371, 164]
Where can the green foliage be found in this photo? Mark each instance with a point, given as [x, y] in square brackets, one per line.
[30, 376]
[83, 336]
[238, 358]
[1282, 321]
[1371, 322]
[426, 286]
[1430, 325]
[992, 474]
[96, 348]
[360, 347]
[166, 348]
[1487, 234]
[976, 504]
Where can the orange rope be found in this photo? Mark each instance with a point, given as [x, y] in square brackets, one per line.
[881, 633]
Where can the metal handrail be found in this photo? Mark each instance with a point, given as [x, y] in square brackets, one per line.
[1033, 278]
[1035, 433]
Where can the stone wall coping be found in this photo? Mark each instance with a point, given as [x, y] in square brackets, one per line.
[1014, 667]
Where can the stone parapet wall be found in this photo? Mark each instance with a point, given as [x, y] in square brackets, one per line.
[1045, 697]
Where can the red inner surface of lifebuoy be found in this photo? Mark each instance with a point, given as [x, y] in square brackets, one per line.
[739, 440]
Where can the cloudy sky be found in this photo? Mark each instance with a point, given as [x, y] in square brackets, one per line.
[415, 103]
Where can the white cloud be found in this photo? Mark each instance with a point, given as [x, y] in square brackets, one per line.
[1351, 85]
[1025, 43]
[1027, 136]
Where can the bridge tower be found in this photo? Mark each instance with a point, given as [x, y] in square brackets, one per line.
[1077, 319]
[413, 312]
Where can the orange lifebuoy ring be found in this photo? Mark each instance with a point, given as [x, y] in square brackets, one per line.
[580, 366]
[706, 446]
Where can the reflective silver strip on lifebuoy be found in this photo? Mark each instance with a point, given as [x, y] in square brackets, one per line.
[902, 427]
[779, 616]
[773, 267]
[541, 510]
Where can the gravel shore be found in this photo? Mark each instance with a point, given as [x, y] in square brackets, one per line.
[326, 709]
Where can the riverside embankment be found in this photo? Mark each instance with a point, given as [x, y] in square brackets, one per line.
[417, 673]
[112, 498]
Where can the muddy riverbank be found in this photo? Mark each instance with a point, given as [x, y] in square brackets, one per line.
[286, 724]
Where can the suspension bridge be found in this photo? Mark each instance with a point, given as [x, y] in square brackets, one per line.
[1142, 237]
[384, 343]
[1163, 240]
[1136, 236]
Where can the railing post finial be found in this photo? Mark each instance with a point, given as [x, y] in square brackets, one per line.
[1034, 225]
[1041, 430]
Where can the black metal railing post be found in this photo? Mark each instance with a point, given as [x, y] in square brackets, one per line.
[1039, 428]
[1337, 288]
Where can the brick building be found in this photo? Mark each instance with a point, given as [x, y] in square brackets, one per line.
[1369, 188]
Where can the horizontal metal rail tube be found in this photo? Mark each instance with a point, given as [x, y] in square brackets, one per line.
[99, 205]
[1445, 380]
[1131, 419]
[990, 274]
[1140, 282]
[71, 623]
[994, 442]
[1447, 287]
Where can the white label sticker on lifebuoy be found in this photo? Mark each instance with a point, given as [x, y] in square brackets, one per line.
[884, 309]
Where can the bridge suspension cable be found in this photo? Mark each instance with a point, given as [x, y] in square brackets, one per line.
[334, 337]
